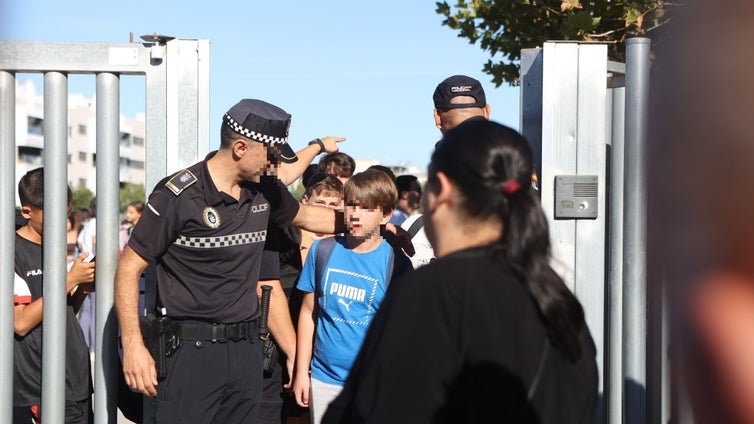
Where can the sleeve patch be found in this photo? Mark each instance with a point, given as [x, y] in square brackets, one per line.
[21, 293]
[181, 181]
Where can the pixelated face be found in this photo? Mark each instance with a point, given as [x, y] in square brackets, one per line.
[273, 163]
[258, 161]
[325, 199]
[363, 221]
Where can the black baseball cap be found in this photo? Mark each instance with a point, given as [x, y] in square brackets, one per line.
[262, 122]
[407, 183]
[459, 85]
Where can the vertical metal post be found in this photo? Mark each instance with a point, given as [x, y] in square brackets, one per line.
[634, 232]
[108, 130]
[614, 376]
[156, 124]
[7, 243]
[531, 103]
[54, 268]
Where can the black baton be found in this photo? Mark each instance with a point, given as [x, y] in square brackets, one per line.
[264, 331]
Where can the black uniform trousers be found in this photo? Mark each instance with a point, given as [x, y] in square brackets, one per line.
[211, 382]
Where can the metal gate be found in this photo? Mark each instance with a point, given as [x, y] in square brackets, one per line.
[176, 72]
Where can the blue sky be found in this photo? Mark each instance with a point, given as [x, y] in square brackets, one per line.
[363, 70]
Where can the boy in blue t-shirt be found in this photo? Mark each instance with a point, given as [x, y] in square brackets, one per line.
[342, 298]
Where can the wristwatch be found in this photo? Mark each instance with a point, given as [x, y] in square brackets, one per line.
[321, 145]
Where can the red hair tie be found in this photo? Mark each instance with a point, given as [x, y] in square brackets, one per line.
[510, 187]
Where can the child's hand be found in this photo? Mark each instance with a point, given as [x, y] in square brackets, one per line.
[80, 273]
[398, 237]
[301, 387]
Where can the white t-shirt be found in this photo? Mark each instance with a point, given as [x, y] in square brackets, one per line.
[86, 240]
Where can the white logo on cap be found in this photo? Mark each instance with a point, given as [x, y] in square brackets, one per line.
[460, 89]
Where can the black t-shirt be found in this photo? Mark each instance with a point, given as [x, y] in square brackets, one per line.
[27, 377]
[208, 245]
[461, 340]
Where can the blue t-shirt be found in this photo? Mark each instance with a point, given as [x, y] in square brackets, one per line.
[353, 287]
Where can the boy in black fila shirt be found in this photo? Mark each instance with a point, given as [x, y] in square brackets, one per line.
[28, 309]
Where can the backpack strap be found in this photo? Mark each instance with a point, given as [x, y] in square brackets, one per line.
[322, 255]
[390, 267]
[416, 226]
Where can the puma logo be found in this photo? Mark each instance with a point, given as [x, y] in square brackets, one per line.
[347, 305]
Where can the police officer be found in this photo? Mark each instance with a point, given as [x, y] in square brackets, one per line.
[205, 228]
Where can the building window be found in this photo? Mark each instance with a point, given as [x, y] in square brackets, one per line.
[138, 141]
[36, 126]
[82, 129]
[69, 157]
[32, 155]
[94, 160]
[137, 164]
[82, 156]
[125, 139]
[82, 182]
[70, 132]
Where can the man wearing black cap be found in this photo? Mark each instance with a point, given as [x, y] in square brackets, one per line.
[205, 229]
[457, 99]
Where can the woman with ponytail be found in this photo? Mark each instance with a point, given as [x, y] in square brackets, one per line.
[488, 332]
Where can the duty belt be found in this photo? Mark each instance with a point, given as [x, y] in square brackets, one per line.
[221, 333]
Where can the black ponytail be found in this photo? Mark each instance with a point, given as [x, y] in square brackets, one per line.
[493, 166]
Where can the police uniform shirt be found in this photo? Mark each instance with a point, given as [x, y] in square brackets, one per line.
[208, 245]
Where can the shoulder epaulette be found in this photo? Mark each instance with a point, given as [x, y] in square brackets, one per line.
[181, 181]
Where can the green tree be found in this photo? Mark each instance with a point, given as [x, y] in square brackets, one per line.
[129, 193]
[505, 27]
[81, 197]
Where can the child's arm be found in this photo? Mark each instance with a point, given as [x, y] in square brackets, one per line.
[27, 316]
[305, 339]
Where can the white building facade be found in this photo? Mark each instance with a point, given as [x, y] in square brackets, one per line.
[82, 139]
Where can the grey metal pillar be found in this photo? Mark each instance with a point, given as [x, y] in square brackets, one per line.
[635, 232]
[108, 130]
[156, 129]
[7, 242]
[178, 91]
[54, 268]
[613, 371]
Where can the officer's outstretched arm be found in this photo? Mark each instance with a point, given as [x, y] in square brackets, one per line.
[319, 219]
[138, 366]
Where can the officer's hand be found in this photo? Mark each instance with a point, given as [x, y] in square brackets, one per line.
[289, 362]
[398, 237]
[80, 272]
[301, 386]
[331, 143]
[139, 369]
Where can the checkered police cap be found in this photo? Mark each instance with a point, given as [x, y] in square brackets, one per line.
[262, 122]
